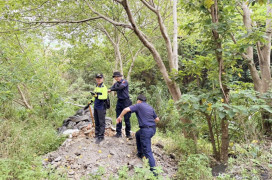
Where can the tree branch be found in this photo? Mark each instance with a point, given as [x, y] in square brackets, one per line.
[23, 97]
[109, 19]
[107, 34]
[149, 6]
[235, 42]
[19, 102]
[22, 29]
[164, 35]
[58, 21]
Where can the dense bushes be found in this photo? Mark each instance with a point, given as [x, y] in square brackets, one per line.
[26, 136]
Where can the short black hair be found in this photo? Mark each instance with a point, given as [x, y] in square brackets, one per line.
[141, 97]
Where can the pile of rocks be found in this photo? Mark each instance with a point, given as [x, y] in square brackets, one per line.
[80, 158]
[80, 120]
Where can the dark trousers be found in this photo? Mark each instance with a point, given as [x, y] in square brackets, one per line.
[120, 106]
[99, 117]
[143, 140]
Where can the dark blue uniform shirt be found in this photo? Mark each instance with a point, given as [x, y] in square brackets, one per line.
[145, 114]
[121, 88]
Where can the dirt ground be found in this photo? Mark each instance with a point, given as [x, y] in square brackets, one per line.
[79, 156]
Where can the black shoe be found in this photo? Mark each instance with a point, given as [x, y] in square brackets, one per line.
[99, 140]
[117, 135]
[129, 137]
[140, 155]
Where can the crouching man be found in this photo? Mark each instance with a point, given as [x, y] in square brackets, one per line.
[147, 120]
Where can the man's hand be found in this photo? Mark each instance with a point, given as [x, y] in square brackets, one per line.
[109, 90]
[118, 120]
[93, 94]
[87, 106]
[157, 120]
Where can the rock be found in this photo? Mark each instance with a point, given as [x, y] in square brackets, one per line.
[112, 152]
[77, 154]
[75, 134]
[108, 122]
[71, 172]
[71, 125]
[76, 166]
[112, 128]
[62, 129]
[58, 159]
[219, 169]
[159, 145]
[55, 165]
[70, 131]
[130, 167]
[80, 118]
[131, 143]
[66, 122]
[172, 156]
[50, 158]
[44, 163]
[80, 112]
[86, 125]
[87, 132]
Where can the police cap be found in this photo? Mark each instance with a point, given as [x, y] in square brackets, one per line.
[99, 75]
[117, 74]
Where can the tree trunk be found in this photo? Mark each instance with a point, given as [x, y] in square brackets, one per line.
[175, 35]
[209, 121]
[132, 63]
[172, 86]
[249, 54]
[119, 58]
[262, 82]
[224, 89]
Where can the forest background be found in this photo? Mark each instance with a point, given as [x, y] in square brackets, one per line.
[205, 66]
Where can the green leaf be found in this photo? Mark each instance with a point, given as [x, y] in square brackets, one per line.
[267, 108]
[231, 113]
[222, 114]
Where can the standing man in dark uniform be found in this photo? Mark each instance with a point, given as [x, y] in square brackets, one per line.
[100, 94]
[121, 86]
[147, 119]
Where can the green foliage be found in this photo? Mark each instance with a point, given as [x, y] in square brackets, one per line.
[243, 105]
[140, 173]
[99, 174]
[249, 161]
[22, 142]
[196, 166]
[178, 144]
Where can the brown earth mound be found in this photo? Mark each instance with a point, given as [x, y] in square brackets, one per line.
[79, 156]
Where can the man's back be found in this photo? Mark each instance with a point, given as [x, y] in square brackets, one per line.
[145, 114]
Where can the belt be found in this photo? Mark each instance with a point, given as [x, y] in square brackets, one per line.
[147, 126]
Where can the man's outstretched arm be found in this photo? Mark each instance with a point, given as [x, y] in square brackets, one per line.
[125, 111]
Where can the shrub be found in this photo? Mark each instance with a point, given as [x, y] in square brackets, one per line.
[195, 166]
